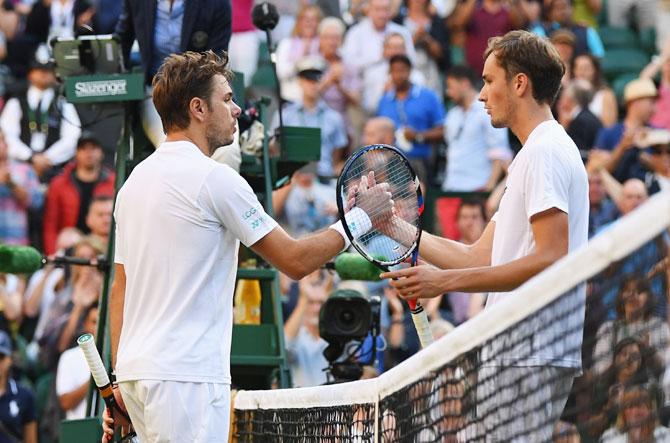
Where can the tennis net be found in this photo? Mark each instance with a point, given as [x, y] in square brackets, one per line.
[507, 374]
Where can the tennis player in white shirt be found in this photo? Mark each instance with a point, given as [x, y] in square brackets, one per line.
[180, 217]
[543, 216]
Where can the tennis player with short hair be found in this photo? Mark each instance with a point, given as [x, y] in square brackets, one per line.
[180, 217]
[543, 216]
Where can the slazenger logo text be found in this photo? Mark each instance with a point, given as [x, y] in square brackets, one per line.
[105, 87]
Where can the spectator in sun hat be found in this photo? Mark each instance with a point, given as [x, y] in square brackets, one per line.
[621, 140]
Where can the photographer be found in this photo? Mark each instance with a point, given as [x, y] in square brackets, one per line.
[303, 342]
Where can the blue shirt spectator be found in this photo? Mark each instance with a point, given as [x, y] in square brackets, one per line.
[333, 130]
[313, 112]
[411, 107]
[602, 215]
[629, 166]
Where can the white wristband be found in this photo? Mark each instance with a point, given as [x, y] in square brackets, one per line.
[340, 230]
[358, 222]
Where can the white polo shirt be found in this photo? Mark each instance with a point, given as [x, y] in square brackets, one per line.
[179, 219]
[547, 173]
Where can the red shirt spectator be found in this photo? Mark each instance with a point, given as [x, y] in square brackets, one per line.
[71, 192]
[483, 20]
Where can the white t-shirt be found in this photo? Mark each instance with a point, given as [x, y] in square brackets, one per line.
[547, 173]
[305, 354]
[72, 372]
[612, 435]
[179, 219]
[473, 144]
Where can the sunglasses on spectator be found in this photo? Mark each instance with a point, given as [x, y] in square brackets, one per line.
[657, 150]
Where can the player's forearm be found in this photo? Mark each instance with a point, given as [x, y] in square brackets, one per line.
[449, 254]
[298, 257]
[501, 278]
[310, 253]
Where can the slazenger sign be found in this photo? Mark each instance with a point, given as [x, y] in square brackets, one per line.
[100, 88]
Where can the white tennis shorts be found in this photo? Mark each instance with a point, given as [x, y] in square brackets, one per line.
[177, 412]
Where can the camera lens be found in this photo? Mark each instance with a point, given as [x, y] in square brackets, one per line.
[347, 317]
[348, 321]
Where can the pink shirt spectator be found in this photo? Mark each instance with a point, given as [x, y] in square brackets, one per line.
[661, 117]
[482, 26]
[335, 98]
[289, 52]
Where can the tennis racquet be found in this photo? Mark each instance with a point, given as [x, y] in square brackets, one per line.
[87, 344]
[385, 239]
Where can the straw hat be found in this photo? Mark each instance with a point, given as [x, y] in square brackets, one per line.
[639, 88]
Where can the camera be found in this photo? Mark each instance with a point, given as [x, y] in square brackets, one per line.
[348, 316]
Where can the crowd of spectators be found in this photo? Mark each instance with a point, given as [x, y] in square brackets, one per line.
[401, 72]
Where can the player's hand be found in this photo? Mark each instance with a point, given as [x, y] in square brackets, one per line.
[374, 199]
[424, 281]
[109, 424]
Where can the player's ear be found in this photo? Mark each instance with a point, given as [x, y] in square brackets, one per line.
[198, 108]
[521, 84]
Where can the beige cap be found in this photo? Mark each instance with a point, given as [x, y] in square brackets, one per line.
[639, 88]
[310, 67]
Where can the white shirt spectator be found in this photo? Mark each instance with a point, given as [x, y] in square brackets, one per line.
[360, 55]
[472, 146]
[10, 123]
[653, 330]
[71, 374]
[62, 19]
[305, 354]
[180, 218]
[612, 435]
[48, 295]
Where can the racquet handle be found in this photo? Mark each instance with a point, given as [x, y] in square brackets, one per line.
[87, 344]
[421, 323]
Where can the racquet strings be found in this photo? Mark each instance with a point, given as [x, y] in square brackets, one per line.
[389, 167]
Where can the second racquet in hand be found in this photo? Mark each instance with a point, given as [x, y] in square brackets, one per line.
[385, 239]
[87, 344]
